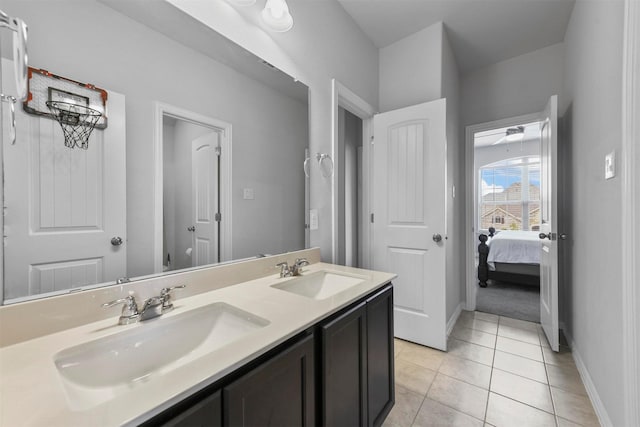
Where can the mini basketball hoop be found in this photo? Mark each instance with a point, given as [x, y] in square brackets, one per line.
[77, 122]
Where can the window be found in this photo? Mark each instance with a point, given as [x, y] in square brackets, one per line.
[510, 194]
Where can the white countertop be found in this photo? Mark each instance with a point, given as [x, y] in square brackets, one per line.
[33, 393]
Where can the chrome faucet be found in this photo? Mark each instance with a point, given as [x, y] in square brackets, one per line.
[284, 269]
[296, 268]
[151, 308]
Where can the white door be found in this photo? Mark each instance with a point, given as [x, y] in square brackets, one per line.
[409, 214]
[204, 198]
[549, 225]
[63, 206]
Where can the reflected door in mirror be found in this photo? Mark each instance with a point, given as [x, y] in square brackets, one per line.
[63, 205]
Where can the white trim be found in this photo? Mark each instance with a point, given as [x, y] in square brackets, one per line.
[630, 205]
[471, 244]
[225, 130]
[341, 96]
[454, 319]
[592, 391]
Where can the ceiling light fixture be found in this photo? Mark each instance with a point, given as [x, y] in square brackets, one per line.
[276, 16]
[515, 134]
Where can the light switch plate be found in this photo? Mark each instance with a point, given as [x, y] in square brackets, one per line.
[610, 165]
[313, 219]
[248, 194]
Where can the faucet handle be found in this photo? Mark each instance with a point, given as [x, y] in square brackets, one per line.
[301, 261]
[165, 294]
[129, 309]
[284, 269]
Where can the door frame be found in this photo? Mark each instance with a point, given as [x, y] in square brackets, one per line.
[630, 183]
[225, 129]
[470, 206]
[341, 96]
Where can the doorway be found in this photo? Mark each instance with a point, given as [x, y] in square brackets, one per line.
[193, 182]
[507, 213]
[350, 178]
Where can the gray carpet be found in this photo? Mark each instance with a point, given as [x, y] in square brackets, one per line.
[510, 299]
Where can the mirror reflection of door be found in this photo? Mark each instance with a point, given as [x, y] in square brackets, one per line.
[191, 187]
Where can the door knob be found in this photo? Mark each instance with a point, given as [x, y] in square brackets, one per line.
[437, 238]
[192, 228]
[550, 236]
[116, 241]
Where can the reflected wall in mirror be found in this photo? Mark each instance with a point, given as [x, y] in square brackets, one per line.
[147, 53]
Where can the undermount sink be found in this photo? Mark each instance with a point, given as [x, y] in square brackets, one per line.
[95, 371]
[320, 284]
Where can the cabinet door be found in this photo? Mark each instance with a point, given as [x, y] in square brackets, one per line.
[206, 413]
[344, 369]
[380, 373]
[279, 392]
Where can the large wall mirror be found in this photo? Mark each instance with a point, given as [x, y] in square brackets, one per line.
[200, 162]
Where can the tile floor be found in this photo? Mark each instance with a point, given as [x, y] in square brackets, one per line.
[498, 372]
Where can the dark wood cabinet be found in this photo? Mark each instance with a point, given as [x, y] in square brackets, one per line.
[344, 369]
[380, 357]
[357, 364]
[206, 413]
[339, 372]
[280, 392]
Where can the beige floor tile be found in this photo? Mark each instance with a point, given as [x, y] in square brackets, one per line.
[514, 333]
[420, 355]
[405, 409]
[413, 377]
[505, 412]
[566, 423]
[543, 339]
[473, 336]
[561, 358]
[397, 346]
[520, 366]
[519, 348]
[470, 351]
[487, 317]
[478, 325]
[522, 389]
[521, 324]
[434, 414]
[567, 378]
[466, 370]
[459, 395]
[574, 407]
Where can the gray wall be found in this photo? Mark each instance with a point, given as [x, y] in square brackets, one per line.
[269, 130]
[516, 86]
[593, 94]
[450, 82]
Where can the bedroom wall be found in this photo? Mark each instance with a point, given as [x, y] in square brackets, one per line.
[314, 52]
[593, 76]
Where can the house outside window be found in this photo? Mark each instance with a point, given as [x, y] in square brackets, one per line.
[510, 194]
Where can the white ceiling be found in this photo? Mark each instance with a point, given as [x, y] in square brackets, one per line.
[481, 32]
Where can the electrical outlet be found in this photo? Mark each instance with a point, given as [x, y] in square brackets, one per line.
[610, 165]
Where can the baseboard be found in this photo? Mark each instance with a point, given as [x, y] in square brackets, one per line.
[598, 406]
[454, 318]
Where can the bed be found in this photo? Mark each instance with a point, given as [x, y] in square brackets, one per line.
[509, 256]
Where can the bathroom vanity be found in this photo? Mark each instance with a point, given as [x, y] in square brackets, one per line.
[315, 349]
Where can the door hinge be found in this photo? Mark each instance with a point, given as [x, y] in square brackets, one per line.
[373, 139]
[218, 151]
[218, 217]
[372, 221]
